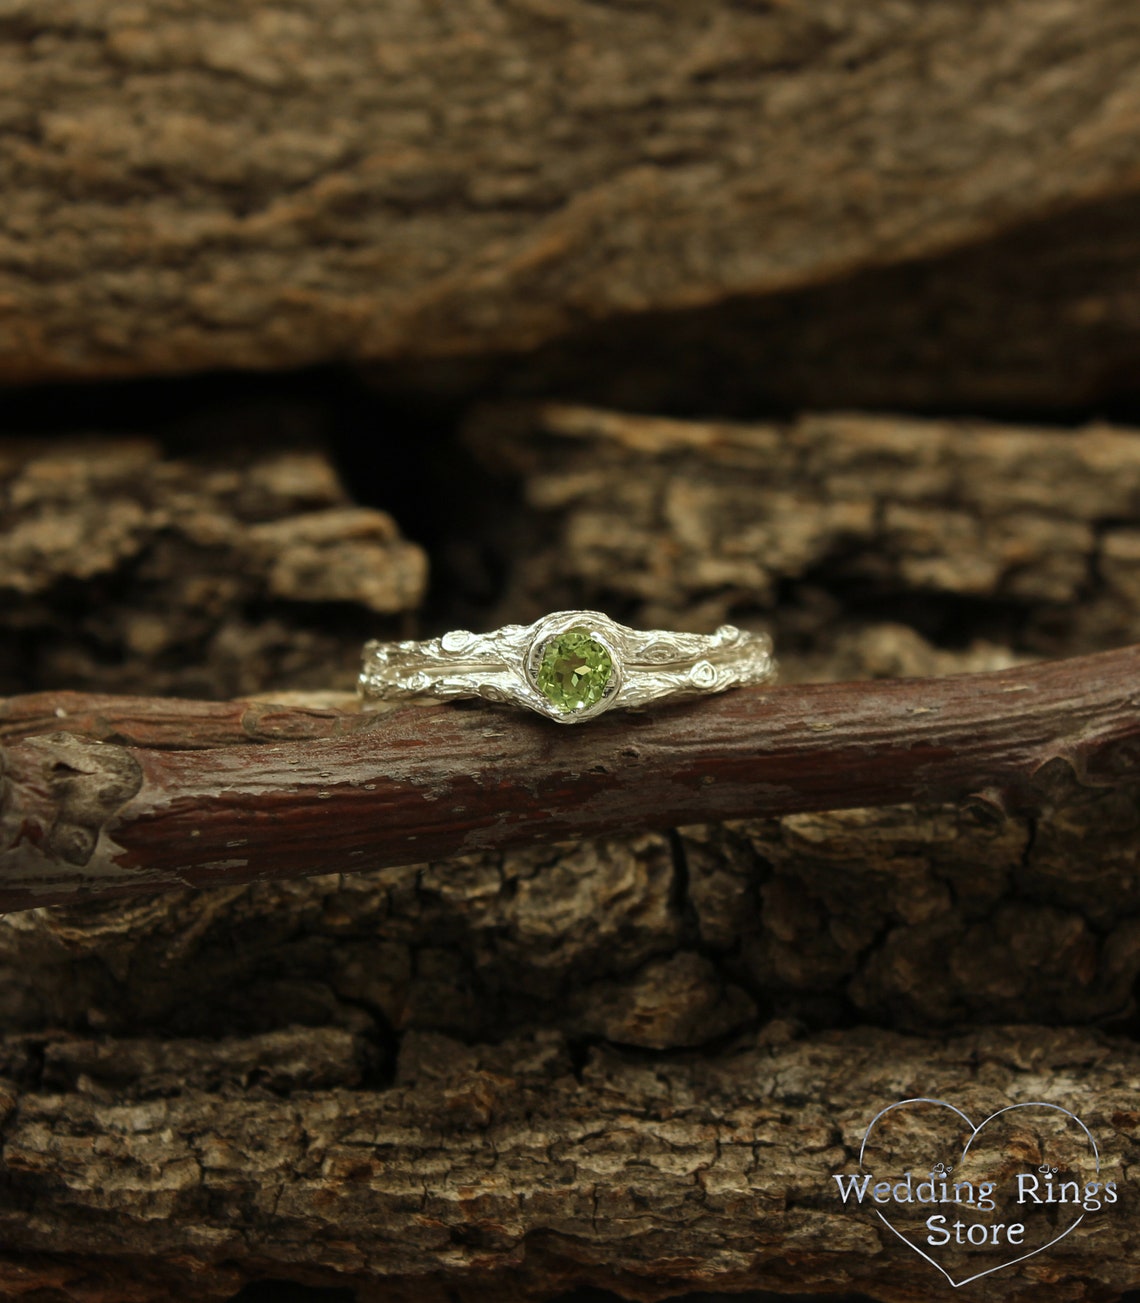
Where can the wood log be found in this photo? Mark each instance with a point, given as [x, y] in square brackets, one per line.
[190, 188]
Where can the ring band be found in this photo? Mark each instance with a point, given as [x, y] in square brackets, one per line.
[568, 666]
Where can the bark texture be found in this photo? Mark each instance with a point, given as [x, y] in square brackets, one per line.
[498, 1168]
[409, 1080]
[1023, 537]
[917, 917]
[1043, 318]
[187, 186]
[125, 567]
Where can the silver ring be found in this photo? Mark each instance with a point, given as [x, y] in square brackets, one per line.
[569, 666]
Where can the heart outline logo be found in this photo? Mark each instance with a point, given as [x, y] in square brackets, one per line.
[974, 1132]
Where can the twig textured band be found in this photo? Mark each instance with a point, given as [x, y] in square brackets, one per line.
[569, 666]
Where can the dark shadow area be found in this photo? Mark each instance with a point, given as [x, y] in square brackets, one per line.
[286, 1291]
[749, 1296]
[282, 1291]
[390, 450]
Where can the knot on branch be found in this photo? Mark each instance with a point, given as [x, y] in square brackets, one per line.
[58, 792]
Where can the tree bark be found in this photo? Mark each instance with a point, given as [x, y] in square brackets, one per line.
[249, 1079]
[1041, 319]
[1013, 535]
[492, 1171]
[124, 567]
[190, 188]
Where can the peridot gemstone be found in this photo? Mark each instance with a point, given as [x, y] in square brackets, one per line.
[574, 670]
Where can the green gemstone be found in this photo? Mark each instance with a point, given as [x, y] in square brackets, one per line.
[574, 671]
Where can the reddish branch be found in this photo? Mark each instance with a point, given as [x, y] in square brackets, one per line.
[114, 795]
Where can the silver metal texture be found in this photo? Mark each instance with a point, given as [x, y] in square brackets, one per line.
[648, 665]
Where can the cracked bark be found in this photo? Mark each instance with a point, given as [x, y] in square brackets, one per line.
[457, 1170]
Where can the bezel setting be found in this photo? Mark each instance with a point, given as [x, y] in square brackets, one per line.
[554, 626]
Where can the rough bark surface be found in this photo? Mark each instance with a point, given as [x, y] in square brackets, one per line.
[186, 186]
[122, 567]
[916, 917]
[1026, 535]
[497, 1168]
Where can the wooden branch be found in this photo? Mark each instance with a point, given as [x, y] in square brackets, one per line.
[104, 796]
[206, 189]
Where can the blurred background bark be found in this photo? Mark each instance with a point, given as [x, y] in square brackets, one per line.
[338, 320]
